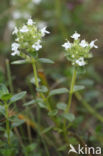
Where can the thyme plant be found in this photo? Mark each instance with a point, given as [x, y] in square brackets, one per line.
[28, 42]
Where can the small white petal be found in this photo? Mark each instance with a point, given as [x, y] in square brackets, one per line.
[30, 22]
[15, 46]
[24, 29]
[67, 45]
[44, 31]
[83, 44]
[81, 61]
[92, 44]
[75, 36]
[17, 52]
[15, 31]
[37, 45]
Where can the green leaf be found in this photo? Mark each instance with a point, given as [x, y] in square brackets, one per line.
[69, 116]
[17, 97]
[3, 90]
[61, 106]
[86, 82]
[58, 91]
[20, 62]
[45, 60]
[78, 88]
[29, 103]
[42, 89]
[53, 113]
[47, 130]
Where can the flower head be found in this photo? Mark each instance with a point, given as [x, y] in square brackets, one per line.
[75, 36]
[79, 51]
[28, 39]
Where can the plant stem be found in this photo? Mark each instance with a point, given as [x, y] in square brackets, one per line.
[7, 122]
[69, 101]
[9, 76]
[37, 86]
[71, 90]
[35, 73]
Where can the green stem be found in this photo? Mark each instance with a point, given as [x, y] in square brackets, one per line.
[9, 76]
[69, 102]
[71, 90]
[37, 86]
[35, 73]
[7, 122]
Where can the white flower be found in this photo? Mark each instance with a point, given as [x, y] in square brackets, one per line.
[14, 48]
[24, 29]
[67, 45]
[30, 22]
[36, 1]
[83, 44]
[44, 31]
[80, 61]
[15, 31]
[92, 45]
[75, 36]
[17, 52]
[37, 45]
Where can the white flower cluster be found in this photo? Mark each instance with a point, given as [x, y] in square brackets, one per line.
[29, 38]
[78, 51]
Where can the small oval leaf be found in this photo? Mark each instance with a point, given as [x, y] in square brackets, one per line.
[17, 97]
[45, 60]
[58, 91]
